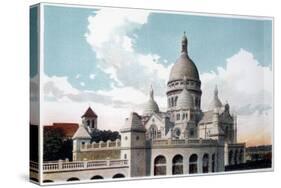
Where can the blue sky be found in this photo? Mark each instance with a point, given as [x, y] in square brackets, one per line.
[211, 41]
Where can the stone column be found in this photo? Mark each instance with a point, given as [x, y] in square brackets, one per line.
[186, 164]
[200, 163]
[169, 166]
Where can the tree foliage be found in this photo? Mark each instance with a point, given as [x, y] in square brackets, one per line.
[104, 135]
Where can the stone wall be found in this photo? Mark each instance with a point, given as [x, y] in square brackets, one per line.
[98, 155]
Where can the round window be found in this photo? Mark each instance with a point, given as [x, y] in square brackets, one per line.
[177, 132]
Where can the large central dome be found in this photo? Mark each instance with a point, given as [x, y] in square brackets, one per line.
[184, 66]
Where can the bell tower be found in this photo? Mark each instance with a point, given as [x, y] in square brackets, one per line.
[90, 119]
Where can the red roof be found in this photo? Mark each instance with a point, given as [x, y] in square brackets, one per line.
[68, 129]
[89, 113]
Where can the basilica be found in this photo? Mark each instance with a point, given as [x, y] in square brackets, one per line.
[184, 139]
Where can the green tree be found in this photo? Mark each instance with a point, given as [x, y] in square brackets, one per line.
[53, 144]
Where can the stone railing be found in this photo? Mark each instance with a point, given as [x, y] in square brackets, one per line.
[101, 145]
[184, 142]
[33, 165]
[79, 165]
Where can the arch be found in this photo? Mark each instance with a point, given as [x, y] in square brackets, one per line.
[96, 177]
[193, 159]
[177, 164]
[177, 133]
[159, 165]
[205, 163]
[235, 156]
[213, 162]
[118, 176]
[73, 179]
[48, 181]
[230, 156]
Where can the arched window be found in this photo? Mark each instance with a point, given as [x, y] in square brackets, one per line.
[88, 122]
[172, 100]
[97, 177]
[205, 165]
[178, 164]
[213, 162]
[193, 164]
[230, 156]
[73, 179]
[176, 100]
[93, 123]
[159, 165]
[118, 176]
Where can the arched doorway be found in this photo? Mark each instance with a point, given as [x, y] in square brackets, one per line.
[73, 179]
[97, 177]
[48, 181]
[205, 163]
[213, 162]
[159, 165]
[193, 164]
[118, 176]
[230, 156]
[177, 164]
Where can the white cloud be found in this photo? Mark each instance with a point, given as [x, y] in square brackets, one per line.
[108, 35]
[58, 87]
[92, 76]
[82, 84]
[248, 87]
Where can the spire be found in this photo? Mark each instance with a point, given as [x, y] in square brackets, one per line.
[89, 113]
[151, 94]
[216, 91]
[216, 103]
[184, 43]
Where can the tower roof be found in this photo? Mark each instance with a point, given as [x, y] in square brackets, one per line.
[184, 66]
[133, 123]
[151, 106]
[81, 133]
[89, 113]
[216, 103]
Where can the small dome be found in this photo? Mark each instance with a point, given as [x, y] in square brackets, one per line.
[184, 66]
[151, 106]
[216, 103]
[185, 100]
